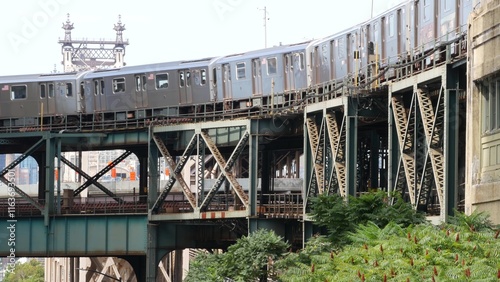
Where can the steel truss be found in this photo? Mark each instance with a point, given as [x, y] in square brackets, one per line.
[327, 145]
[12, 184]
[200, 141]
[420, 130]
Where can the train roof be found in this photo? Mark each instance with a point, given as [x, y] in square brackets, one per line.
[356, 27]
[281, 49]
[40, 77]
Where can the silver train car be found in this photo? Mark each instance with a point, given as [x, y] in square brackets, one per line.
[248, 77]
[127, 91]
[26, 100]
[402, 34]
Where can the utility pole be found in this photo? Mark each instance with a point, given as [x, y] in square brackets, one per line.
[371, 17]
[265, 18]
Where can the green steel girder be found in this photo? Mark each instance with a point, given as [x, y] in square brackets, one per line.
[88, 177]
[176, 172]
[103, 171]
[17, 161]
[226, 167]
[65, 236]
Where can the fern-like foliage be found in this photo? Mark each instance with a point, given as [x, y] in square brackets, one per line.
[423, 252]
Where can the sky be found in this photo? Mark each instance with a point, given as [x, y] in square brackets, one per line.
[162, 31]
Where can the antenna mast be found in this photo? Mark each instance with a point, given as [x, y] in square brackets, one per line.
[265, 18]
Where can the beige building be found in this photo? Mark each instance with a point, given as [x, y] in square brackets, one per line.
[483, 111]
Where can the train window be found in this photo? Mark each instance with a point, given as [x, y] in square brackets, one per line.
[137, 83]
[96, 88]
[203, 76]
[102, 87]
[324, 51]
[119, 85]
[301, 61]
[51, 90]
[144, 82]
[240, 70]
[287, 63]
[69, 89]
[391, 25]
[42, 91]
[448, 5]
[214, 75]
[18, 92]
[188, 78]
[271, 65]
[342, 49]
[427, 10]
[162, 80]
[182, 80]
[82, 90]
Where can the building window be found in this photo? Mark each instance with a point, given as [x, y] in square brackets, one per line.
[240, 70]
[18, 92]
[271, 65]
[162, 80]
[491, 104]
[43, 93]
[119, 85]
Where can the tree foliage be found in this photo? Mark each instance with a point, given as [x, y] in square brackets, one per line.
[31, 271]
[249, 259]
[424, 252]
[367, 240]
[340, 217]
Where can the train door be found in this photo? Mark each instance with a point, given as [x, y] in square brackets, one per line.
[227, 90]
[316, 65]
[333, 74]
[256, 77]
[289, 72]
[383, 43]
[99, 97]
[298, 69]
[427, 27]
[47, 100]
[141, 97]
[80, 102]
[400, 33]
[185, 89]
[341, 57]
[350, 52]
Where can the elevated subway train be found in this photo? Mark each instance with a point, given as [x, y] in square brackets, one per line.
[409, 33]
